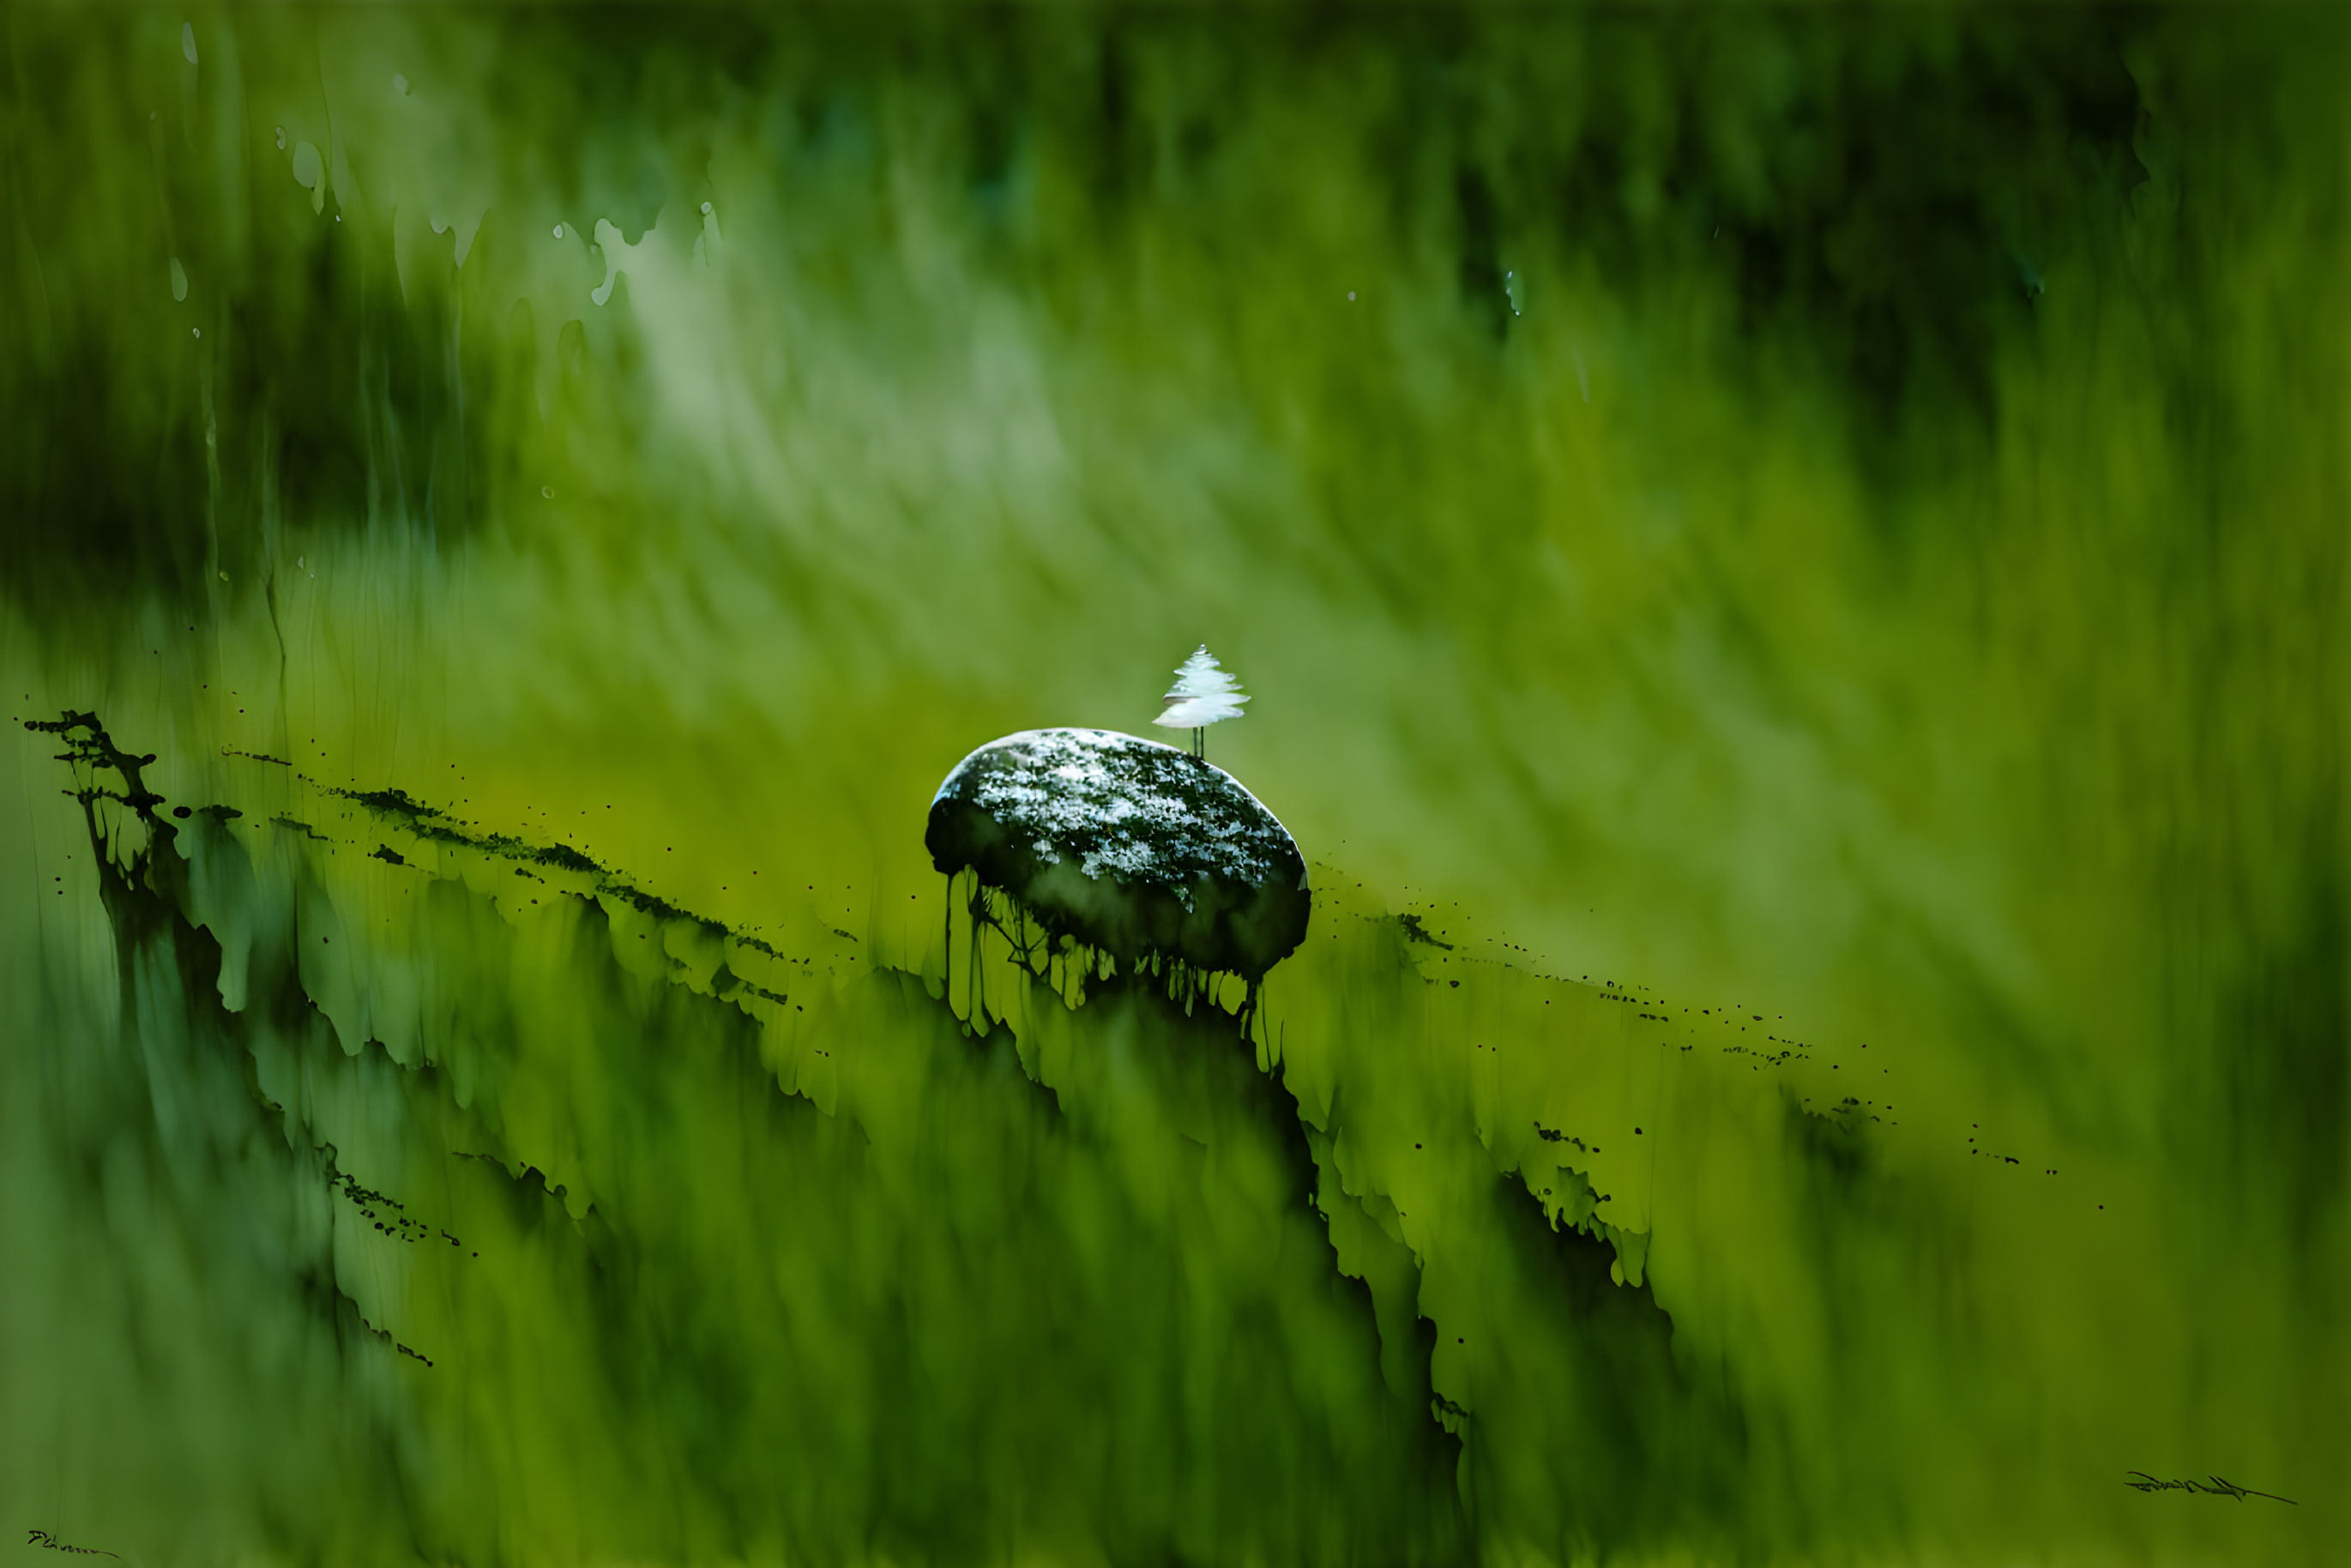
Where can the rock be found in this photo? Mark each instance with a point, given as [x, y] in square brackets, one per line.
[1131, 848]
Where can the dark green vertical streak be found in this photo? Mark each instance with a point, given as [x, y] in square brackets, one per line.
[186, 1169]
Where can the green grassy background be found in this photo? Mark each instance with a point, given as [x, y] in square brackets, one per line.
[1828, 524]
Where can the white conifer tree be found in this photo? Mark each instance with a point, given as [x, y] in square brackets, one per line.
[1203, 694]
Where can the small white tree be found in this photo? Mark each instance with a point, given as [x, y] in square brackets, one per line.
[1203, 694]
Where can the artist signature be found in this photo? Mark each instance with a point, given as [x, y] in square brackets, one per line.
[42, 1538]
[2213, 1484]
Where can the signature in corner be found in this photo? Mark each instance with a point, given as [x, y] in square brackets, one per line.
[2216, 1485]
[42, 1538]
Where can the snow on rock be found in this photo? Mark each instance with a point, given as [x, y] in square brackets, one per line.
[1126, 845]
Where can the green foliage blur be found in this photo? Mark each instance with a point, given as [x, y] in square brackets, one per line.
[1792, 568]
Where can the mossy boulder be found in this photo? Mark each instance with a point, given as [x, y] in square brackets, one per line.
[1130, 847]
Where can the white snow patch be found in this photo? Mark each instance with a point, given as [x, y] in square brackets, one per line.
[1117, 803]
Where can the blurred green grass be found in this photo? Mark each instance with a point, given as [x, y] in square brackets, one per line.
[1885, 572]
